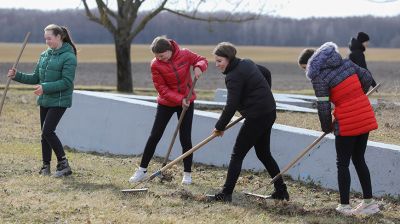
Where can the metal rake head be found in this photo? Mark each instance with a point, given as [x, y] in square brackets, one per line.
[135, 191]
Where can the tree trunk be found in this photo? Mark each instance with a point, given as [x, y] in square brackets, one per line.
[124, 69]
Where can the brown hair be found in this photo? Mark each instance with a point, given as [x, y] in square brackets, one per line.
[226, 50]
[160, 44]
[305, 55]
[63, 32]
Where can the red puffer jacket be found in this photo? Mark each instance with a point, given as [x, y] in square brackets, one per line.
[172, 79]
[353, 111]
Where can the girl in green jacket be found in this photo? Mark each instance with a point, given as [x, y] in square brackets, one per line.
[53, 78]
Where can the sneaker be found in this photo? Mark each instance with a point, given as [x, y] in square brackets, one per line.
[279, 194]
[63, 169]
[139, 175]
[219, 197]
[187, 178]
[45, 170]
[344, 209]
[366, 208]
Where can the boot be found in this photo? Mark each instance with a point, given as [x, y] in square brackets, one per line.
[279, 193]
[63, 169]
[219, 197]
[45, 170]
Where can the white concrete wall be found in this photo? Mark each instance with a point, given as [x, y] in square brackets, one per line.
[107, 123]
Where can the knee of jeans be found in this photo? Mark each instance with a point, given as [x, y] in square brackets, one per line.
[358, 161]
[237, 157]
[342, 165]
[155, 137]
[262, 155]
[46, 133]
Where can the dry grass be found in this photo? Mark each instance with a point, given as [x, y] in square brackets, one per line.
[92, 193]
[105, 53]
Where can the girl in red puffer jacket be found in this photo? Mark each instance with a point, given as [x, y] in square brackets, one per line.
[170, 71]
[344, 84]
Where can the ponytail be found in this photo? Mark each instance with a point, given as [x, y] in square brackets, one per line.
[67, 38]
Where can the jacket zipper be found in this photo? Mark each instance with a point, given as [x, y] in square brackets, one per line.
[45, 72]
[177, 76]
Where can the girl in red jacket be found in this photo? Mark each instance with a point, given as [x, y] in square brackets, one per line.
[344, 84]
[170, 71]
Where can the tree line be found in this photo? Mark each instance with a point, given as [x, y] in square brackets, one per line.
[267, 30]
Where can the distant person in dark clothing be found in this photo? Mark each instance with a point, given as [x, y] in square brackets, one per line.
[249, 92]
[357, 47]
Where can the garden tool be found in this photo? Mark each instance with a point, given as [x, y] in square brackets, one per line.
[295, 160]
[180, 158]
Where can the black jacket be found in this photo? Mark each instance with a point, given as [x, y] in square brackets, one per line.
[249, 91]
[357, 55]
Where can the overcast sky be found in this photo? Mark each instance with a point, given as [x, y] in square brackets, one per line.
[283, 8]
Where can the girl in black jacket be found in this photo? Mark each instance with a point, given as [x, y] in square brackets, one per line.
[249, 93]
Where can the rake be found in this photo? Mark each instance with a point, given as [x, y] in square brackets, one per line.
[180, 158]
[14, 67]
[164, 176]
[295, 160]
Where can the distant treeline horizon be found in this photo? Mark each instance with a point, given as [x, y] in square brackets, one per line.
[266, 31]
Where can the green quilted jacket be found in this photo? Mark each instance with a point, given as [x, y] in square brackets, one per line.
[55, 71]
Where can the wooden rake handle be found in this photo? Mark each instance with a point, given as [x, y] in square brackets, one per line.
[14, 66]
[306, 150]
[171, 144]
[196, 147]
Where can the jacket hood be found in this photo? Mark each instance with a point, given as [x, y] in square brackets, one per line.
[66, 47]
[175, 52]
[327, 56]
[356, 45]
[175, 49]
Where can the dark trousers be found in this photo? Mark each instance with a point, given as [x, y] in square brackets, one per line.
[352, 147]
[49, 119]
[254, 132]
[163, 115]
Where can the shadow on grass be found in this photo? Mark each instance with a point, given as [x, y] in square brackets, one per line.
[101, 154]
[77, 184]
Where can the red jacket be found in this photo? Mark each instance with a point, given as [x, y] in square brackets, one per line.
[353, 111]
[172, 79]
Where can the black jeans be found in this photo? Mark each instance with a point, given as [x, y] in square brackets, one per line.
[49, 119]
[254, 132]
[352, 147]
[163, 115]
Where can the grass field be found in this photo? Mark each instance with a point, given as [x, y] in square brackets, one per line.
[92, 193]
[105, 53]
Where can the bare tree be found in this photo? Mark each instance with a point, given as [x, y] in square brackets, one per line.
[125, 24]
